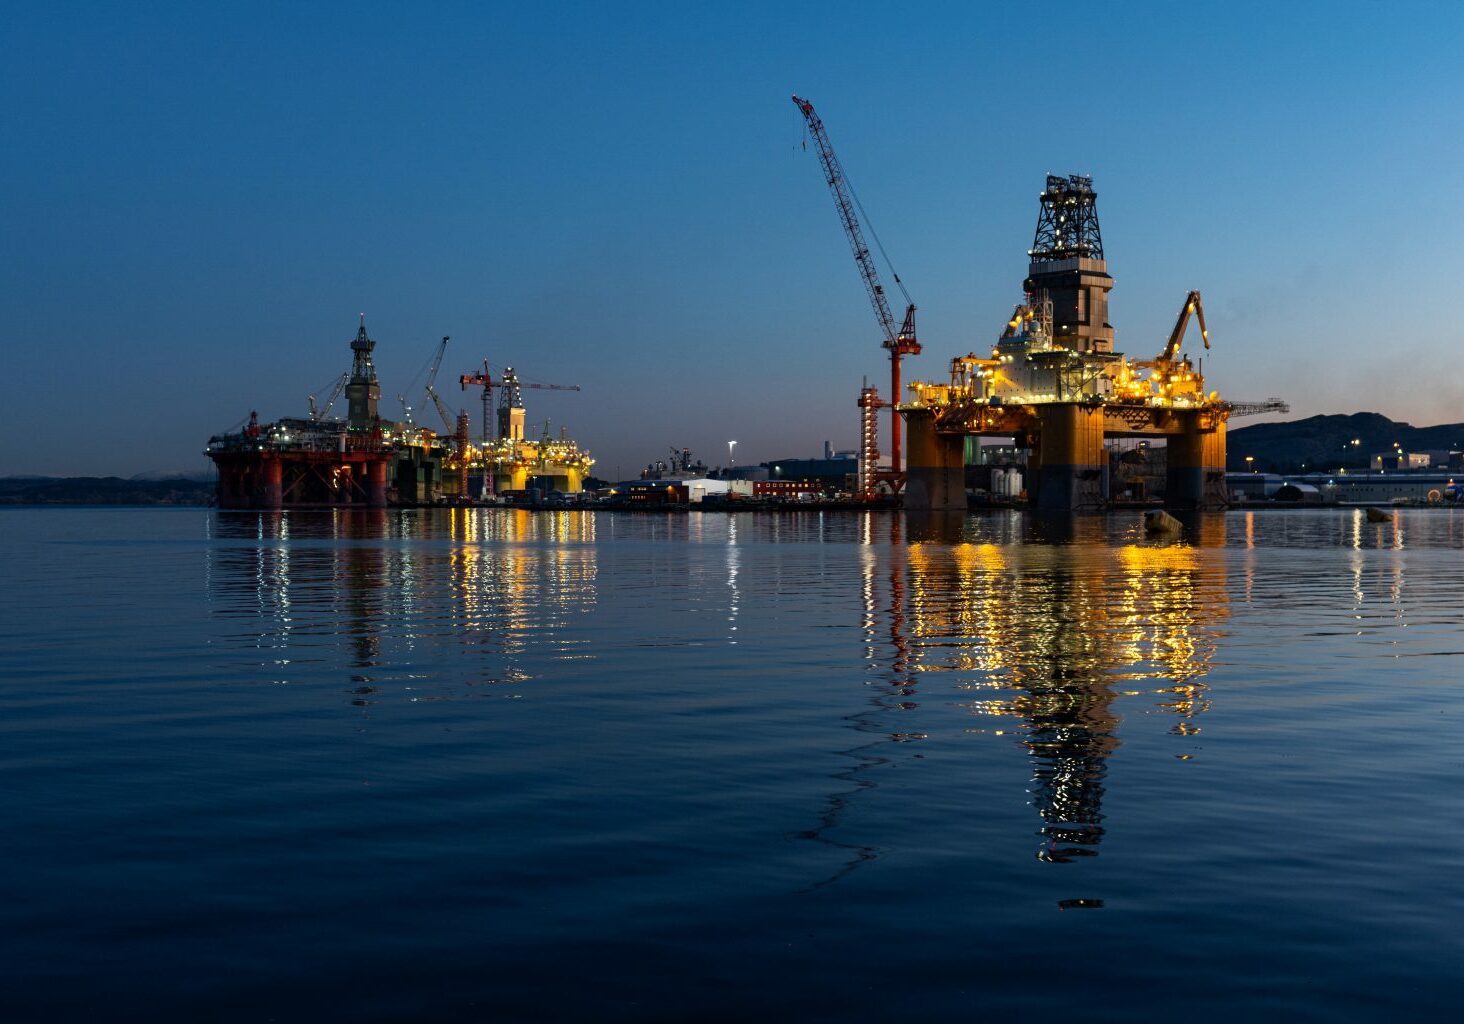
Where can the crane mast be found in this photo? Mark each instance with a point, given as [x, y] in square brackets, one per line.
[899, 341]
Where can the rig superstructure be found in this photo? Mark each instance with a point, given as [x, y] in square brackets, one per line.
[1054, 383]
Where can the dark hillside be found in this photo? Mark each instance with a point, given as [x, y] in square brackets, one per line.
[1325, 442]
[103, 490]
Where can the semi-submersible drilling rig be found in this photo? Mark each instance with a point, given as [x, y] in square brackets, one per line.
[1054, 383]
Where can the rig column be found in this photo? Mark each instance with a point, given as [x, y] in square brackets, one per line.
[376, 483]
[1069, 464]
[935, 465]
[271, 483]
[230, 483]
[1195, 470]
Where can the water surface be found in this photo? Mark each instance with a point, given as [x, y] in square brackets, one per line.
[493, 765]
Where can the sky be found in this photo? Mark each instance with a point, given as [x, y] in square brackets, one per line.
[197, 201]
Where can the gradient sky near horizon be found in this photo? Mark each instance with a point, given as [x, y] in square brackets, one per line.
[197, 200]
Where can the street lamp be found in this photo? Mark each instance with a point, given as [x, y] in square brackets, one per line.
[730, 460]
[1250, 463]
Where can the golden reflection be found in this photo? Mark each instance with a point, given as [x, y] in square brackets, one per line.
[734, 564]
[517, 577]
[376, 591]
[1052, 635]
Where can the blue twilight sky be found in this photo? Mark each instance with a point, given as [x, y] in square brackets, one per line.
[196, 200]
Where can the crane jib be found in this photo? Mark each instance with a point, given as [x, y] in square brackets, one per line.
[845, 202]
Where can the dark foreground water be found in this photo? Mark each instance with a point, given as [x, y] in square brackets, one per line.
[511, 766]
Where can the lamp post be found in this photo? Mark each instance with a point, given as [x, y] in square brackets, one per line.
[1250, 463]
[730, 460]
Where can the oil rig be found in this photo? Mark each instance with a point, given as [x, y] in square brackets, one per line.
[1054, 384]
[367, 461]
[507, 460]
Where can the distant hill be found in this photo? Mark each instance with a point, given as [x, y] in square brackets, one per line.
[1325, 442]
[178, 474]
[103, 490]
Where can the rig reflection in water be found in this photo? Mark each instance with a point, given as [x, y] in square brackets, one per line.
[1051, 635]
[1038, 627]
[319, 590]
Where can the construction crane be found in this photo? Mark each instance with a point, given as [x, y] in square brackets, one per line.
[406, 411]
[900, 341]
[318, 414]
[510, 385]
[436, 364]
[1192, 307]
[448, 420]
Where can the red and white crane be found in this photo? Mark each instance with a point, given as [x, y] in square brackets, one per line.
[510, 384]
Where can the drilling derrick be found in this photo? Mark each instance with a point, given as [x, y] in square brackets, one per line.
[899, 341]
[510, 406]
[364, 391]
[1067, 264]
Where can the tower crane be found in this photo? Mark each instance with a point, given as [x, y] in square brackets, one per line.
[318, 414]
[510, 385]
[899, 341]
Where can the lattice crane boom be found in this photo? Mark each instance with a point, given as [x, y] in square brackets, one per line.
[844, 200]
[318, 414]
[436, 363]
[448, 420]
[900, 341]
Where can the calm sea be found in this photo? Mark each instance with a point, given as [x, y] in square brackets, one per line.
[495, 765]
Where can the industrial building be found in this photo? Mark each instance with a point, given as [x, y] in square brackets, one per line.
[688, 491]
[833, 474]
[1351, 487]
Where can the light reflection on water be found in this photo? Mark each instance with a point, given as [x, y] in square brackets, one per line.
[1044, 624]
[710, 728]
